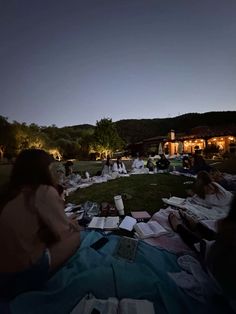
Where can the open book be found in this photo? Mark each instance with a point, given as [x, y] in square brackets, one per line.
[128, 223]
[175, 201]
[105, 223]
[90, 304]
[149, 229]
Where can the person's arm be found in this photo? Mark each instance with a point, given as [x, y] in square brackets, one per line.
[133, 164]
[50, 209]
[105, 170]
[123, 168]
[114, 167]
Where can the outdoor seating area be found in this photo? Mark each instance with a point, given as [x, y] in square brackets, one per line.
[158, 266]
[118, 157]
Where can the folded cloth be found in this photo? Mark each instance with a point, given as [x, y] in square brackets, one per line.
[194, 280]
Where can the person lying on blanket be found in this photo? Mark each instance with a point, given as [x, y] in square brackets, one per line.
[208, 193]
[220, 258]
[36, 237]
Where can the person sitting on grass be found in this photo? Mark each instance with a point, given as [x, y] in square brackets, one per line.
[220, 258]
[119, 166]
[107, 168]
[36, 237]
[208, 193]
[163, 163]
[199, 163]
[68, 168]
[138, 163]
[150, 164]
[187, 162]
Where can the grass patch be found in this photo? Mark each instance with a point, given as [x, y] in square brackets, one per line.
[146, 191]
[228, 165]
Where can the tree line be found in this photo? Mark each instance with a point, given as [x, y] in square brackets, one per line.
[82, 141]
[106, 137]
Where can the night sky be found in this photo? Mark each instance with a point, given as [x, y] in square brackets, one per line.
[73, 62]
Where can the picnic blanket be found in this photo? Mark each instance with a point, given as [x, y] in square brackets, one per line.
[104, 275]
[170, 241]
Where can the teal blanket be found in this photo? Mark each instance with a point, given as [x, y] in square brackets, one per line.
[104, 275]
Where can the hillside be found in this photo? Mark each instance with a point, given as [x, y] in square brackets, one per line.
[136, 130]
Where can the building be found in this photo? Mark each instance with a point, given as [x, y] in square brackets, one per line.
[224, 138]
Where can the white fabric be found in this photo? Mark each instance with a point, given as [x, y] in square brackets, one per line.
[194, 280]
[139, 171]
[222, 199]
[119, 168]
[107, 170]
[138, 164]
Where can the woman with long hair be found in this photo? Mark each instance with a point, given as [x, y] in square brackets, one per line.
[210, 193]
[36, 237]
[119, 166]
[107, 168]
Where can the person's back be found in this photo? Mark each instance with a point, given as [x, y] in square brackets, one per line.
[163, 163]
[25, 228]
[36, 237]
[199, 164]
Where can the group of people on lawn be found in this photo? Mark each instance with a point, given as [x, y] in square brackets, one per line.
[37, 238]
[138, 165]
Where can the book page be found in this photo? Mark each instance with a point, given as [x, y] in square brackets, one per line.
[111, 223]
[128, 223]
[97, 223]
[157, 228]
[132, 306]
[143, 230]
[89, 303]
[175, 201]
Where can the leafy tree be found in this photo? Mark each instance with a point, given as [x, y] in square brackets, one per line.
[6, 135]
[68, 148]
[106, 138]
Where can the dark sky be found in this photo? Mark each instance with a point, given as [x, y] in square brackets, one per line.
[68, 62]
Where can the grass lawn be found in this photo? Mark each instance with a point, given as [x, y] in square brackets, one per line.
[146, 191]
